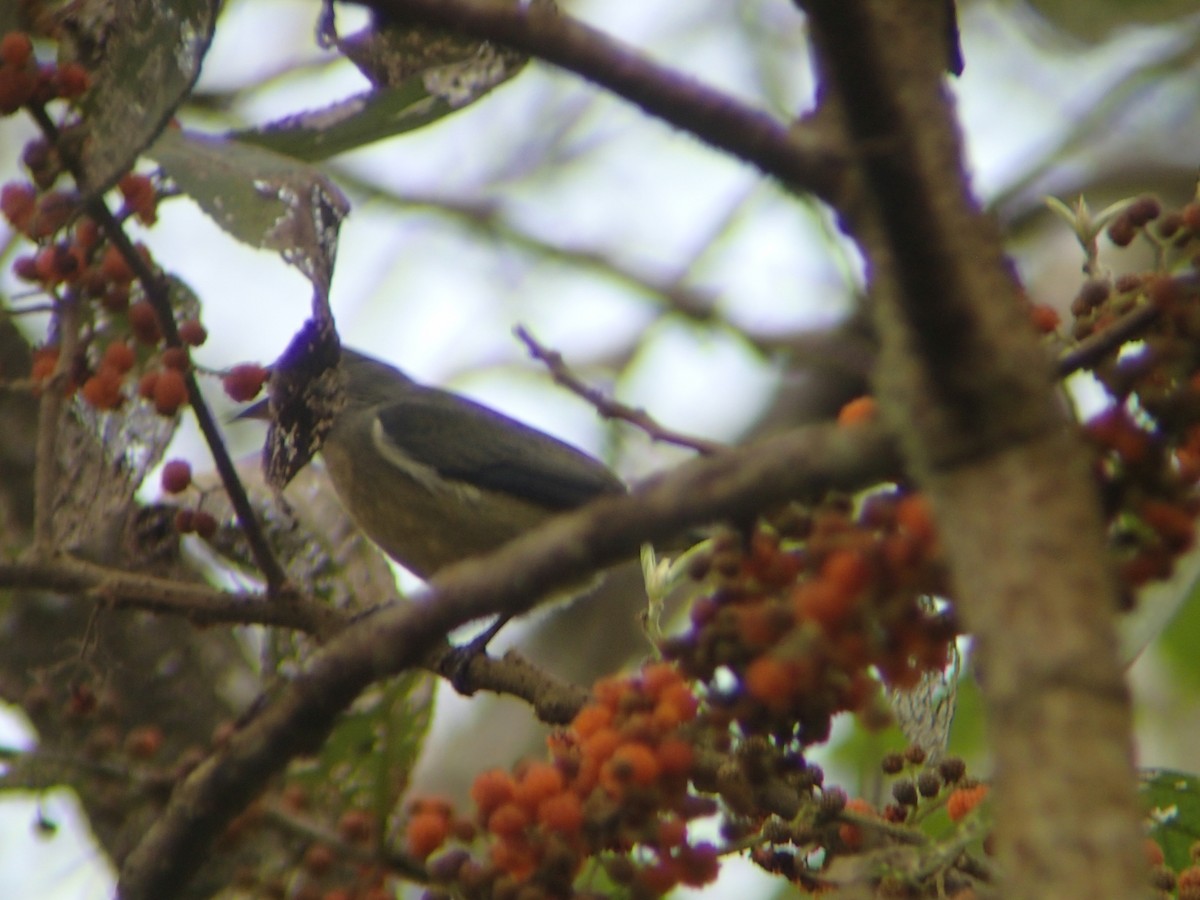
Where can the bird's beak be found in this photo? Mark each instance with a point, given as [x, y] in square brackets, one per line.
[260, 410]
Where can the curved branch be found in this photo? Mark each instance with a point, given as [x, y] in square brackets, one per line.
[736, 484]
[797, 155]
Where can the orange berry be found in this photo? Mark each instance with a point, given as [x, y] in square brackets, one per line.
[1154, 852]
[539, 781]
[631, 763]
[914, 516]
[176, 476]
[492, 789]
[611, 691]
[962, 800]
[657, 677]
[682, 702]
[562, 813]
[244, 382]
[861, 409]
[591, 719]
[847, 570]
[1189, 878]
[508, 820]
[675, 756]
[515, 858]
[769, 680]
[601, 745]
[1045, 318]
[424, 833]
[45, 360]
[170, 392]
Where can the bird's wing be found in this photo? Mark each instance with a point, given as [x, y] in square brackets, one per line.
[468, 442]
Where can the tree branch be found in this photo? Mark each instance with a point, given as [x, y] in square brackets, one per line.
[737, 484]
[799, 156]
[971, 393]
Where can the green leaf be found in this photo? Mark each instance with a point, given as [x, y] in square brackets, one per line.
[369, 756]
[144, 56]
[1178, 641]
[375, 115]
[261, 198]
[1172, 803]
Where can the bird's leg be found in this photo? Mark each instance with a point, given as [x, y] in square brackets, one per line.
[455, 664]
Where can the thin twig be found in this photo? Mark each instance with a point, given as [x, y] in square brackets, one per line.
[158, 294]
[605, 405]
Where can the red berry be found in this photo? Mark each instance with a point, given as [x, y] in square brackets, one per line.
[140, 198]
[147, 384]
[103, 390]
[185, 521]
[205, 524]
[118, 356]
[45, 360]
[15, 49]
[176, 476]
[72, 81]
[17, 87]
[115, 298]
[18, 201]
[170, 392]
[54, 210]
[243, 383]
[25, 268]
[175, 358]
[144, 323]
[114, 267]
[192, 333]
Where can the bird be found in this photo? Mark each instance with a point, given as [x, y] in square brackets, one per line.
[433, 477]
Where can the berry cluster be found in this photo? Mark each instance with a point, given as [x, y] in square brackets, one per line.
[812, 606]
[615, 790]
[23, 80]
[1148, 441]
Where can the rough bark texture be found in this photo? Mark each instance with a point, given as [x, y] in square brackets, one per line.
[970, 394]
